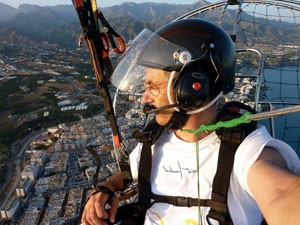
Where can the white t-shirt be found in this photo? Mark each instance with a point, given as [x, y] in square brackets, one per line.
[174, 173]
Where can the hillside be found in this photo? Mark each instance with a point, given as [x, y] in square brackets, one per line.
[6, 12]
[59, 25]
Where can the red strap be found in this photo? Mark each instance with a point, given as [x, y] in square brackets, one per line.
[105, 51]
[78, 3]
[117, 141]
[121, 46]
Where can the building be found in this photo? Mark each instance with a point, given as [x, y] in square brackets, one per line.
[58, 132]
[11, 207]
[73, 205]
[57, 181]
[63, 126]
[112, 168]
[31, 171]
[85, 161]
[52, 130]
[38, 156]
[58, 163]
[34, 211]
[43, 139]
[89, 172]
[53, 214]
[64, 103]
[24, 187]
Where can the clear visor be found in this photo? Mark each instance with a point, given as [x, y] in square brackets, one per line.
[147, 50]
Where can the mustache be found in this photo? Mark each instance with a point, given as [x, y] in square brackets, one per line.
[149, 108]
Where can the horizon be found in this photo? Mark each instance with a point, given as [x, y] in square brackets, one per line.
[106, 3]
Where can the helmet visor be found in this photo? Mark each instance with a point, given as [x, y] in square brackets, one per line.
[147, 50]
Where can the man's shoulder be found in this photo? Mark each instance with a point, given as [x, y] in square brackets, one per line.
[260, 134]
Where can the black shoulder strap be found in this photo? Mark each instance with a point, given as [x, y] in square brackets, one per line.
[231, 138]
[145, 173]
[148, 137]
[221, 182]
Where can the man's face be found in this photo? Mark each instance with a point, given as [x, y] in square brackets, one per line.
[156, 82]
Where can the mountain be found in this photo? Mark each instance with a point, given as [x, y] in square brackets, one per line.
[59, 25]
[64, 12]
[6, 12]
[13, 36]
[31, 19]
[154, 13]
[32, 24]
[27, 9]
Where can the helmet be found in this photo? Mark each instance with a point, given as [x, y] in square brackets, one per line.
[202, 53]
[199, 40]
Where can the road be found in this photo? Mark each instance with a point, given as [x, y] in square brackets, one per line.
[14, 168]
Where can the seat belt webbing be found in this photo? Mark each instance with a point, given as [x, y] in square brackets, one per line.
[222, 180]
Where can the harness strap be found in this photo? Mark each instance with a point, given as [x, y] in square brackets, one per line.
[148, 137]
[98, 163]
[188, 202]
[221, 181]
[177, 120]
[145, 173]
[231, 138]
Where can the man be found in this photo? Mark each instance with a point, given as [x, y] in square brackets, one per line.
[184, 68]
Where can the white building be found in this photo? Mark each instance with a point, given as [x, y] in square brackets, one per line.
[52, 129]
[38, 156]
[63, 126]
[89, 172]
[112, 168]
[10, 209]
[56, 181]
[85, 162]
[31, 171]
[24, 187]
[33, 212]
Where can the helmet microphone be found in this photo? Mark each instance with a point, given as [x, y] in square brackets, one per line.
[149, 108]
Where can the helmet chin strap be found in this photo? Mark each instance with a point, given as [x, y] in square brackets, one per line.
[213, 101]
[177, 120]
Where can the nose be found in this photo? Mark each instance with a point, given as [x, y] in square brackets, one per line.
[147, 97]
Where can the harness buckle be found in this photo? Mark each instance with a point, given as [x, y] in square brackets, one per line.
[182, 201]
[217, 215]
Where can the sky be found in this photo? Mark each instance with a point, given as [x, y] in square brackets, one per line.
[103, 3]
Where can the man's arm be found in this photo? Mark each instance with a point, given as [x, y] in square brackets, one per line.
[94, 211]
[275, 188]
